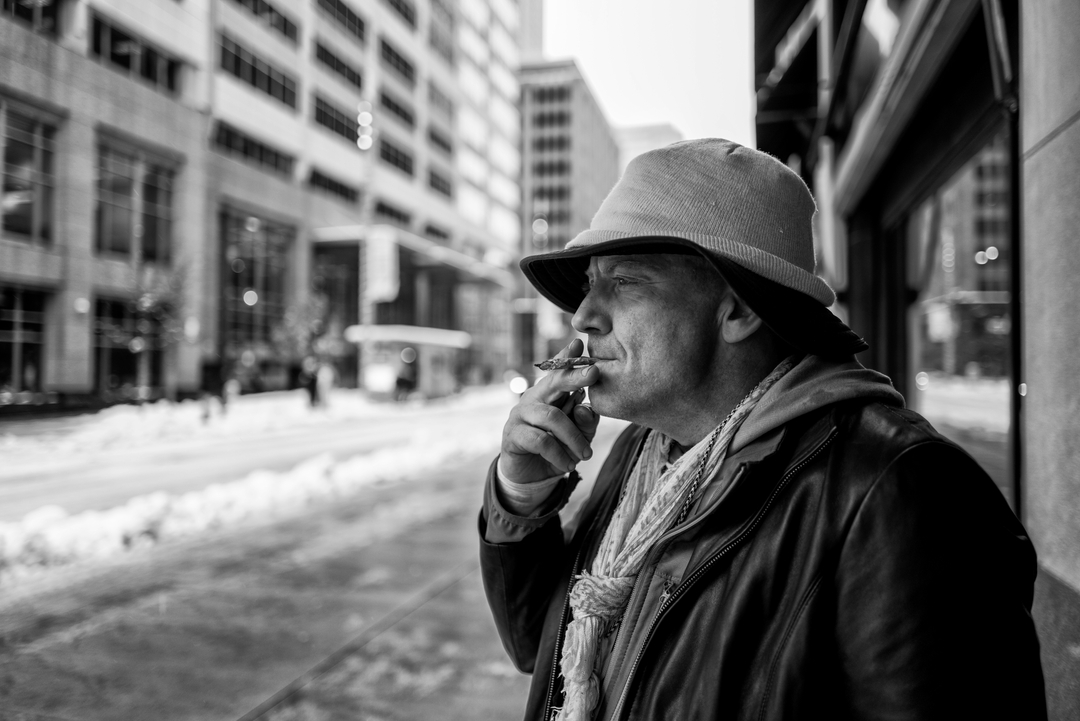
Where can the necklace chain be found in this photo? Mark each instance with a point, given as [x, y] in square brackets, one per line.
[692, 491]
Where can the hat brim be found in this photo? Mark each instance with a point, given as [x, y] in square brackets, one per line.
[798, 319]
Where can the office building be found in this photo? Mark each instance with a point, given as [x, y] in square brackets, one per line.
[570, 163]
[192, 189]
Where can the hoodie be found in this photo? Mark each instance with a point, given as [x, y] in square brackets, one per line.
[813, 383]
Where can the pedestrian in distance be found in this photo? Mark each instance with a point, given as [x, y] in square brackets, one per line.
[774, 536]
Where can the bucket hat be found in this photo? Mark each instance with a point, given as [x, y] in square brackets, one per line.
[743, 210]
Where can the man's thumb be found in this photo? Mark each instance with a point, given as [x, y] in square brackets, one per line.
[586, 419]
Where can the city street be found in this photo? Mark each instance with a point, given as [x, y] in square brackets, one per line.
[79, 467]
[362, 607]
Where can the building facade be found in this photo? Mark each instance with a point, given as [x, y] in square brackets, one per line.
[634, 140]
[941, 140]
[179, 178]
[570, 163]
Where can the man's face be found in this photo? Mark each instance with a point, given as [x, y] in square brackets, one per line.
[652, 321]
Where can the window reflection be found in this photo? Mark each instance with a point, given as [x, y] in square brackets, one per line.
[960, 326]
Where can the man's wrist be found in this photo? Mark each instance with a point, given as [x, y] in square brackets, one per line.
[523, 499]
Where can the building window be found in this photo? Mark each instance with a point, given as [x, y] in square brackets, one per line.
[442, 42]
[442, 11]
[556, 142]
[440, 183]
[395, 215]
[256, 72]
[133, 56]
[239, 144]
[345, 17]
[405, 11]
[22, 334]
[542, 120]
[156, 214]
[335, 119]
[40, 17]
[435, 232]
[273, 17]
[325, 56]
[254, 276]
[440, 140]
[335, 187]
[398, 109]
[553, 167]
[550, 95]
[556, 192]
[440, 101]
[397, 62]
[26, 145]
[134, 205]
[395, 156]
[129, 350]
[961, 323]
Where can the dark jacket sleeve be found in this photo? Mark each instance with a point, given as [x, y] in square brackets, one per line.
[521, 577]
[934, 591]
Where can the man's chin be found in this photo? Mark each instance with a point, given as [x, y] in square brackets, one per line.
[605, 402]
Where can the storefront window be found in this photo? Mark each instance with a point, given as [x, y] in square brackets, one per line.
[129, 350]
[22, 331]
[960, 327]
[254, 294]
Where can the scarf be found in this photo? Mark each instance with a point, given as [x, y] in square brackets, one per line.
[653, 501]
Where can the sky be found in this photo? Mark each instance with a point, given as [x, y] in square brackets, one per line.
[684, 62]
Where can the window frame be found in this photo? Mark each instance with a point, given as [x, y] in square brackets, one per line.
[144, 163]
[43, 214]
[168, 75]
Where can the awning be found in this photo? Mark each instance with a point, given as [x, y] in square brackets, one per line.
[412, 334]
[432, 250]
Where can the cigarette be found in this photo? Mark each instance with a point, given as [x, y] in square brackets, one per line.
[561, 364]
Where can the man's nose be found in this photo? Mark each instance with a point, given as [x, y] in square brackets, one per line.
[590, 317]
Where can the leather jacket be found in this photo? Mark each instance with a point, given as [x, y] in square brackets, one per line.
[853, 564]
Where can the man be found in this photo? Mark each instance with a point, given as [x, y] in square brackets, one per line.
[775, 536]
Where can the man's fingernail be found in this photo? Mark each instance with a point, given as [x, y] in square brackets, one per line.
[584, 371]
[571, 467]
[588, 453]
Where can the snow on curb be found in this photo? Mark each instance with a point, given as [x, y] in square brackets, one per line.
[50, 536]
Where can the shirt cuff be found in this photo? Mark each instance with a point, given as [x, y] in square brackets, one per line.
[523, 499]
[502, 525]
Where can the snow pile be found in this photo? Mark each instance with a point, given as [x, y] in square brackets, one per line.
[50, 536]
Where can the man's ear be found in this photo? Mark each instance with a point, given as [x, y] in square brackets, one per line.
[737, 321]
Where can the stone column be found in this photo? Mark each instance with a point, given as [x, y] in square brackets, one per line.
[1050, 186]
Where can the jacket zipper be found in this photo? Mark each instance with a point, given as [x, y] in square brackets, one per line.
[559, 636]
[668, 600]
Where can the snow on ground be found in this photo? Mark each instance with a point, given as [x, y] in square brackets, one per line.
[49, 536]
[976, 405]
[129, 426]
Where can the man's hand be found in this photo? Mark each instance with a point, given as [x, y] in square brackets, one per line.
[549, 431]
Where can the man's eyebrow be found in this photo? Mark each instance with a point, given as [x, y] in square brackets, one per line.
[629, 264]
